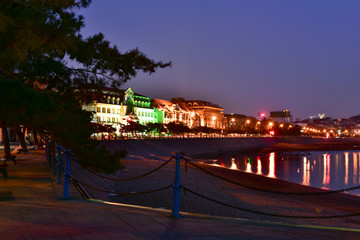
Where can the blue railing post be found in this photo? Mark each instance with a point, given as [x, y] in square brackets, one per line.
[59, 164]
[67, 174]
[176, 207]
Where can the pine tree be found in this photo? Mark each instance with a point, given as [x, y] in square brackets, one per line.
[38, 41]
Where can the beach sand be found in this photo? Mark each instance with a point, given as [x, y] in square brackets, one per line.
[246, 202]
[228, 193]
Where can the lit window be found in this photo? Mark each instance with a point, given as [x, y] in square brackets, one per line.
[108, 110]
[98, 109]
[104, 110]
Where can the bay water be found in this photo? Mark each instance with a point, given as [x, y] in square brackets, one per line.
[332, 170]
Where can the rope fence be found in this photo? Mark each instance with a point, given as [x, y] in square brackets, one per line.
[124, 193]
[51, 156]
[266, 190]
[265, 213]
[132, 178]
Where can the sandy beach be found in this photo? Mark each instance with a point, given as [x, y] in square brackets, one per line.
[244, 200]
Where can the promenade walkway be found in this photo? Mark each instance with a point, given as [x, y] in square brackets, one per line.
[31, 207]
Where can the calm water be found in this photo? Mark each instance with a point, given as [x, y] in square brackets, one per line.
[328, 170]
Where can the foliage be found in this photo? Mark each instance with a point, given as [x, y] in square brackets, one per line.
[133, 127]
[203, 129]
[175, 128]
[40, 43]
[156, 127]
[102, 128]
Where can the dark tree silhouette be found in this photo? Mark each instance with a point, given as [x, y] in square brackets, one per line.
[37, 38]
[175, 128]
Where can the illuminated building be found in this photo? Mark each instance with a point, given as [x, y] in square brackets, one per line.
[283, 116]
[116, 107]
[211, 115]
[175, 112]
[107, 106]
[140, 106]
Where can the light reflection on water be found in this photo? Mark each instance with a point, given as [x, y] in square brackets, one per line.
[329, 170]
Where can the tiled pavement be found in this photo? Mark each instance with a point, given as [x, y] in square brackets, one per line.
[37, 211]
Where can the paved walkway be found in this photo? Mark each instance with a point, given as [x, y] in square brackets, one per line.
[31, 207]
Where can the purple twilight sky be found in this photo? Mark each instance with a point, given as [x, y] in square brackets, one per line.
[246, 56]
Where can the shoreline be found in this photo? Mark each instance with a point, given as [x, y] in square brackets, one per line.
[289, 147]
[323, 146]
[146, 155]
[209, 147]
[235, 195]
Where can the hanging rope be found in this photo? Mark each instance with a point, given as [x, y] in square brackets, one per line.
[122, 193]
[269, 214]
[269, 191]
[132, 178]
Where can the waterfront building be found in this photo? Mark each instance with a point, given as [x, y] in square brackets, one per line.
[236, 121]
[283, 116]
[210, 115]
[175, 112]
[107, 107]
[140, 106]
[118, 107]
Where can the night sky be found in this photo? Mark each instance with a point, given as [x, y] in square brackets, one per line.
[246, 56]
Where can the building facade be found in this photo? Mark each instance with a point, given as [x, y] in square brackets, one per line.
[118, 107]
[283, 116]
[140, 106]
[178, 113]
[209, 114]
